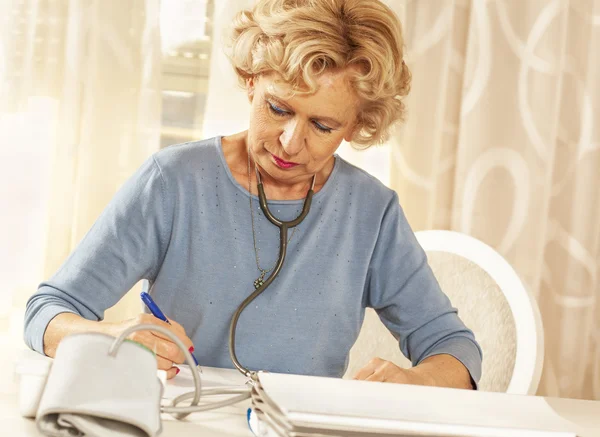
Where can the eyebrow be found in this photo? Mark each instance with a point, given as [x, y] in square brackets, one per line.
[332, 122]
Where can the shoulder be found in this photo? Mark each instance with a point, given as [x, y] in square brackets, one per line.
[188, 159]
[363, 186]
[373, 204]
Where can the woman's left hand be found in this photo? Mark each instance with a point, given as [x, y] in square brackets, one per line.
[385, 371]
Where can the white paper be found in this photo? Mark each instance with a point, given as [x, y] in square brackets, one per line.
[210, 377]
[333, 403]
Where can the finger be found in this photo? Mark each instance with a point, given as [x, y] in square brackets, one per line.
[177, 326]
[162, 348]
[184, 338]
[364, 373]
[150, 319]
[178, 330]
[144, 318]
[376, 376]
[163, 363]
[169, 350]
[172, 372]
[172, 326]
[368, 370]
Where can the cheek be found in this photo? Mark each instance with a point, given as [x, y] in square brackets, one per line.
[263, 125]
[263, 133]
[324, 148]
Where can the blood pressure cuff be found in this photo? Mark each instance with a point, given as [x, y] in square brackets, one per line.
[90, 393]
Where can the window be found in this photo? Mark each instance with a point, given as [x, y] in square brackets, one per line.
[186, 33]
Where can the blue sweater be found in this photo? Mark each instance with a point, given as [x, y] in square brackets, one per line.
[183, 222]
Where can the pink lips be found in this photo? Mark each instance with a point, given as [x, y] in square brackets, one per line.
[283, 164]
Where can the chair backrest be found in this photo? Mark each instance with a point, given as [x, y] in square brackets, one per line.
[491, 300]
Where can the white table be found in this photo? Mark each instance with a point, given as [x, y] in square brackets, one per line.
[231, 421]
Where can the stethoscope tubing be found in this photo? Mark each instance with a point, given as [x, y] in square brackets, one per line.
[283, 231]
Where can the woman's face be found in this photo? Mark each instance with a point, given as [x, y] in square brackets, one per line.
[293, 138]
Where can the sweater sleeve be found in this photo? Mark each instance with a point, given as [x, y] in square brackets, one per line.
[127, 243]
[408, 299]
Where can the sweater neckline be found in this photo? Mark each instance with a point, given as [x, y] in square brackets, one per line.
[321, 193]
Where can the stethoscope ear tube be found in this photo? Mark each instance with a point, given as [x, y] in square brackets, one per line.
[289, 224]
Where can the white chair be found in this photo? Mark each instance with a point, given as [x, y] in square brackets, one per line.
[491, 300]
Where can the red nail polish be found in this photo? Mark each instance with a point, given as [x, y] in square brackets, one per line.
[191, 349]
[177, 370]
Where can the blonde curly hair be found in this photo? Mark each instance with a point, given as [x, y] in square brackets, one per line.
[300, 39]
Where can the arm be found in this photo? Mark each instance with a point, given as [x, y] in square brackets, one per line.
[69, 323]
[408, 299]
[167, 353]
[126, 243]
[438, 371]
[444, 371]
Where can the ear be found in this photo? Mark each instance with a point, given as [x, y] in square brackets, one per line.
[250, 82]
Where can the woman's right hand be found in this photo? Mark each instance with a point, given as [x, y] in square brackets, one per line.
[167, 352]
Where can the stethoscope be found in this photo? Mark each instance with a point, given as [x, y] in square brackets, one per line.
[283, 230]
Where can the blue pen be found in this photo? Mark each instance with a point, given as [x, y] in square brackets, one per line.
[154, 309]
[156, 312]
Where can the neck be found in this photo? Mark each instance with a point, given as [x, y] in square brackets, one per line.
[235, 149]
[277, 190]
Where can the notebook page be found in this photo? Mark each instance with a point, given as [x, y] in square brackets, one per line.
[331, 400]
[211, 377]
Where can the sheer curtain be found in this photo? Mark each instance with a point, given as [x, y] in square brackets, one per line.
[503, 143]
[79, 112]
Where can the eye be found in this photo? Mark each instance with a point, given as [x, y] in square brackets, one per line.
[322, 128]
[276, 110]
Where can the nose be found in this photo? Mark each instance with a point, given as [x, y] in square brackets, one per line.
[292, 138]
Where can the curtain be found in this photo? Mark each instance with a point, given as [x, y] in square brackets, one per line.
[80, 109]
[502, 142]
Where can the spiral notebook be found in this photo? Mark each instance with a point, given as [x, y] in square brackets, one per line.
[296, 406]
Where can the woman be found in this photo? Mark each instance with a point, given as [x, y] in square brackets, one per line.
[316, 73]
